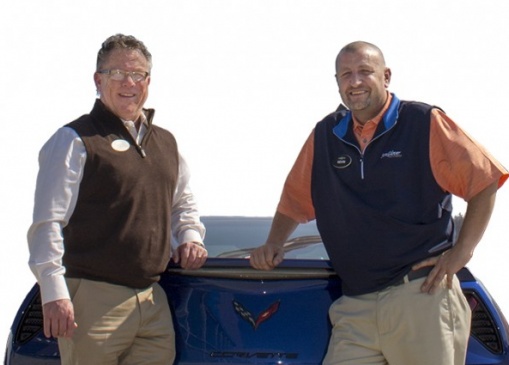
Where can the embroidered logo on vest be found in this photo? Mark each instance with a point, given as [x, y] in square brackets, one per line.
[392, 154]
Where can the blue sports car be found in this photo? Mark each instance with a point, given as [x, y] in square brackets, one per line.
[227, 312]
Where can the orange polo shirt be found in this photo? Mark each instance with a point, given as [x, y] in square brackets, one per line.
[460, 165]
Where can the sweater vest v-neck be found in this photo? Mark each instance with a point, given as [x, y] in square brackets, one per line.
[120, 230]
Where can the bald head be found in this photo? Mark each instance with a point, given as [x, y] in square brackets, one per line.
[361, 46]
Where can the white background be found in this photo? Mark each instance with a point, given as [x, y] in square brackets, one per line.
[241, 83]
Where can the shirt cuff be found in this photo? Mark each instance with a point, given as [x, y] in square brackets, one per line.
[190, 236]
[53, 288]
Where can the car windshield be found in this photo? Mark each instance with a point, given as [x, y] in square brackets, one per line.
[235, 237]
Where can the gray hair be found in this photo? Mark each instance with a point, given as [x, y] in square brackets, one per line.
[121, 41]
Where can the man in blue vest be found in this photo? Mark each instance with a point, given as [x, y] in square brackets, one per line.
[378, 178]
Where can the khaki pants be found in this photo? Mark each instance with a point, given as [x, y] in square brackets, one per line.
[400, 326]
[118, 325]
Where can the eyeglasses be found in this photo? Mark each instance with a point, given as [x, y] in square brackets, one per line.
[119, 75]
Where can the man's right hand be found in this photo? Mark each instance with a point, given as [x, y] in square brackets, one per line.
[59, 318]
[266, 257]
[271, 254]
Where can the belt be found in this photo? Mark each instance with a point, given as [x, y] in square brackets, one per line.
[414, 274]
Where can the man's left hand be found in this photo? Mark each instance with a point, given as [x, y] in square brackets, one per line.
[190, 255]
[445, 265]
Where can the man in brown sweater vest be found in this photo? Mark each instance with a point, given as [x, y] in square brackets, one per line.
[112, 193]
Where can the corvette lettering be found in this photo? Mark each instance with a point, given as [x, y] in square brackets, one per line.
[254, 355]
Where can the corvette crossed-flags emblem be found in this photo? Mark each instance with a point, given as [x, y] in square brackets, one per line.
[262, 317]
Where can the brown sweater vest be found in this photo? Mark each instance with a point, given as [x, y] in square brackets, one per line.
[120, 230]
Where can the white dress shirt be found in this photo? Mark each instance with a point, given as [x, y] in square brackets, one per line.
[61, 163]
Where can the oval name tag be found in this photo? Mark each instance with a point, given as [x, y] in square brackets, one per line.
[120, 145]
[342, 162]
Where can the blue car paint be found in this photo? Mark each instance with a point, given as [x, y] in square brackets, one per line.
[214, 309]
[211, 330]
